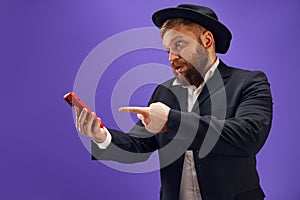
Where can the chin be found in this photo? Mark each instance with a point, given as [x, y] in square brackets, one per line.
[182, 80]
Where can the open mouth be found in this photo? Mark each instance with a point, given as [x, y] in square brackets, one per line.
[178, 69]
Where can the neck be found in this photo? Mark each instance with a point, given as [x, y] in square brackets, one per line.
[210, 62]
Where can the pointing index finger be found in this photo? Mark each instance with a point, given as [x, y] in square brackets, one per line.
[135, 109]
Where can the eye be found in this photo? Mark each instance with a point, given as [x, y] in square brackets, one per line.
[179, 45]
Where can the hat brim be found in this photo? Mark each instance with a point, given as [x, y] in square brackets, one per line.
[221, 33]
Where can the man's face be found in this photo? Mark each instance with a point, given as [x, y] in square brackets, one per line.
[189, 59]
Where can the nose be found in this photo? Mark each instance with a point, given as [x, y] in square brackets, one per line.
[173, 56]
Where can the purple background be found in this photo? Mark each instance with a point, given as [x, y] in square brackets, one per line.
[42, 45]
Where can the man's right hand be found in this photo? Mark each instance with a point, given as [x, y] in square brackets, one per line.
[89, 125]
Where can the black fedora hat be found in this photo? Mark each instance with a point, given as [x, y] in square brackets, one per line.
[201, 15]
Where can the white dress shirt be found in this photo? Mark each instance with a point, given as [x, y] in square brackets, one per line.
[189, 188]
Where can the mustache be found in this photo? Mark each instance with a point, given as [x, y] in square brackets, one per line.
[180, 63]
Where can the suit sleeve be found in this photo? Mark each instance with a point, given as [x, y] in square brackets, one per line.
[132, 147]
[242, 134]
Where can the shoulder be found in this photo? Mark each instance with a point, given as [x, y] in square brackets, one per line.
[247, 82]
[163, 92]
[167, 85]
[242, 75]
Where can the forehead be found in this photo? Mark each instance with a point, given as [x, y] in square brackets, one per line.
[183, 32]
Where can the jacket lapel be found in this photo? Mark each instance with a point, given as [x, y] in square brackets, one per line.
[217, 81]
[181, 95]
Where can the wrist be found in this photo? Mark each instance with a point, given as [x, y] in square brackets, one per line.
[99, 140]
[104, 144]
[101, 136]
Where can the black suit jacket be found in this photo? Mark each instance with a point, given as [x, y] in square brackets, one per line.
[226, 129]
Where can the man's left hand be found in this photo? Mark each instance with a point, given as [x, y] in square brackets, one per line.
[154, 117]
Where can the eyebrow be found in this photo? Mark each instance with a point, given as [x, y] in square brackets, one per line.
[176, 37]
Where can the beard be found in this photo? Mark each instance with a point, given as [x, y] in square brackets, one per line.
[196, 67]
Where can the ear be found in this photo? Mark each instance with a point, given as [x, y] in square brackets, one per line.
[207, 39]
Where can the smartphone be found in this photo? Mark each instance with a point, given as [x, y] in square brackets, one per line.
[73, 100]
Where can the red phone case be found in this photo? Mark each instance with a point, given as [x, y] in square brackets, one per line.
[73, 100]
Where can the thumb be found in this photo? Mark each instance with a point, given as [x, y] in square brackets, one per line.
[140, 116]
[145, 119]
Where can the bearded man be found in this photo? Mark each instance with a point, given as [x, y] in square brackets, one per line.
[207, 123]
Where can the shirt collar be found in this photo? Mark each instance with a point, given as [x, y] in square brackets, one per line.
[207, 76]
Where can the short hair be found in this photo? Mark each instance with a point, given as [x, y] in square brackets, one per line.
[171, 23]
